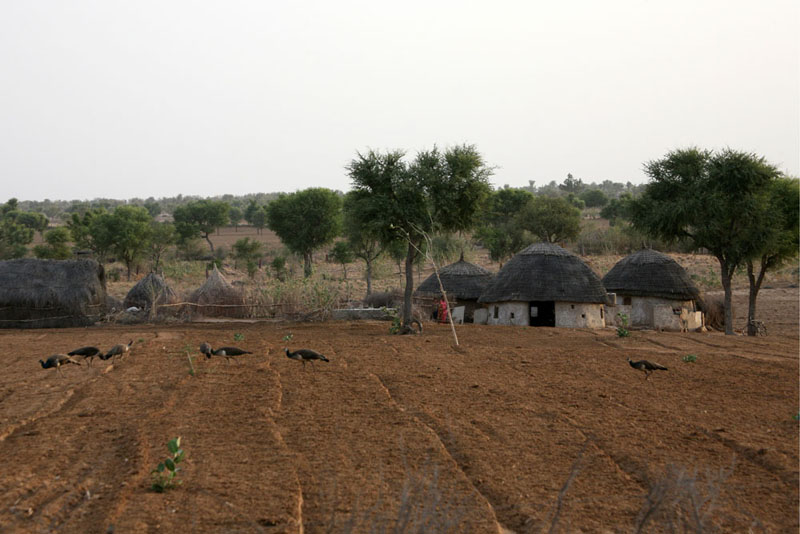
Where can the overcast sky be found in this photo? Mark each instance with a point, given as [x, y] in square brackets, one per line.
[125, 99]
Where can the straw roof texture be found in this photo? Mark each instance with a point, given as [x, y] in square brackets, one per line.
[151, 286]
[216, 294]
[462, 280]
[545, 272]
[51, 293]
[648, 273]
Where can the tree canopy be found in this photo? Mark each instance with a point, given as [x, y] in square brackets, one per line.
[436, 192]
[709, 200]
[550, 219]
[306, 220]
[363, 237]
[497, 229]
[200, 219]
[128, 230]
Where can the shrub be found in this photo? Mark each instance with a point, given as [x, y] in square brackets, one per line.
[690, 358]
[622, 330]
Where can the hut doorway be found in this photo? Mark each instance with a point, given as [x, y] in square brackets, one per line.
[543, 313]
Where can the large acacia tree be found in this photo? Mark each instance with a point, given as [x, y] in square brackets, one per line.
[497, 229]
[550, 219]
[708, 200]
[436, 192]
[127, 231]
[306, 220]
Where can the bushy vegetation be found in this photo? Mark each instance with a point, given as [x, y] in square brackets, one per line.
[163, 476]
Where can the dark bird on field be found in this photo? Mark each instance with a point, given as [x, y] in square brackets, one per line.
[57, 360]
[305, 355]
[647, 367]
[228, 352]
[206, 349]
[87, 353]
[117, 350]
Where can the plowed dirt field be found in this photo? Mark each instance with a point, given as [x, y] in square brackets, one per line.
[517, 429]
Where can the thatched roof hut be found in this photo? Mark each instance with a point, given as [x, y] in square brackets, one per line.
[150, 288]
[461, 280]
[545, 272]
[217, 297]
[51, 293]
[648, 273]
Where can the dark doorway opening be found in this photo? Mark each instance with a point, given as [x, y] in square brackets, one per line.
[543, 313]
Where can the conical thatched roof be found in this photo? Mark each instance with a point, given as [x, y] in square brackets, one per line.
[151, 287]
[648, 273]
[545, 272]
[51, 293]
[462, 280]
[217, 295]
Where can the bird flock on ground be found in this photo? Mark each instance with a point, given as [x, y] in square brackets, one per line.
[56, 361]
[229, 353]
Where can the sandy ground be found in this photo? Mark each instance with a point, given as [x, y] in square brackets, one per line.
[517, 429]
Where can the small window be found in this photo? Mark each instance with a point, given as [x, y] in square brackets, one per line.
[583, 316]
[496, 312]
[601, 313]
[626, 301]
[572, 306]
[512, 315]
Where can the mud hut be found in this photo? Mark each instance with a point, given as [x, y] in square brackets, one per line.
[653, 291]
[152, 288]
[51, 293]
[218, 298]
[463, 282]
[545, 285]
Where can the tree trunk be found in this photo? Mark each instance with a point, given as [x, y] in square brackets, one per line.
[409, 284]
[306, 264]
[726, 274]
[210, 244]
[755, 287]
[128, 265]
[368, 276]
[344, 270]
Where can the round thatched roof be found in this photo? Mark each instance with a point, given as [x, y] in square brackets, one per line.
[462, 280]
[151, 287]
[216, 296]
[545, 272]
[648, 273]
[51, 293]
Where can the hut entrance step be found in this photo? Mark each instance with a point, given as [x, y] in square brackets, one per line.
[543, 313]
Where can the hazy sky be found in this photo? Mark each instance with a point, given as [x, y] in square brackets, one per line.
[128, 99]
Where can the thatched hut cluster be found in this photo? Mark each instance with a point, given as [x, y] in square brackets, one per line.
[462, 281]
[51, 293]
[218, 298]
[654, 291]
[152, 289]
[545, 285]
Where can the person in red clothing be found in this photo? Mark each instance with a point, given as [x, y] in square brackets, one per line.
[442, 315]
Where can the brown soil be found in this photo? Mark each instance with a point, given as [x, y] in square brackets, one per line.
[485, 435]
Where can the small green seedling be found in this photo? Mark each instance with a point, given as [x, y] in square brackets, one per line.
[238, 336]
[690, 358]
[188, 350]
[622, 331]
[140, 340]
[288, 337]
[164, 474]
[796, 416]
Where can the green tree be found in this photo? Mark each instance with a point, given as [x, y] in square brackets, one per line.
[153, 208]
[200, 218]
[162, 236]
[593, 198]
[779, 237]
[342, 255]
[128, 229]
[80, 227]
[56, 245]
[35, 221]
[14, 236]
[363, 237]
[550, 219]
[708, 200]
[436, 192]
[235, 215]
[617, 208]
[572, 185]
[497, 229]
[305, 221]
